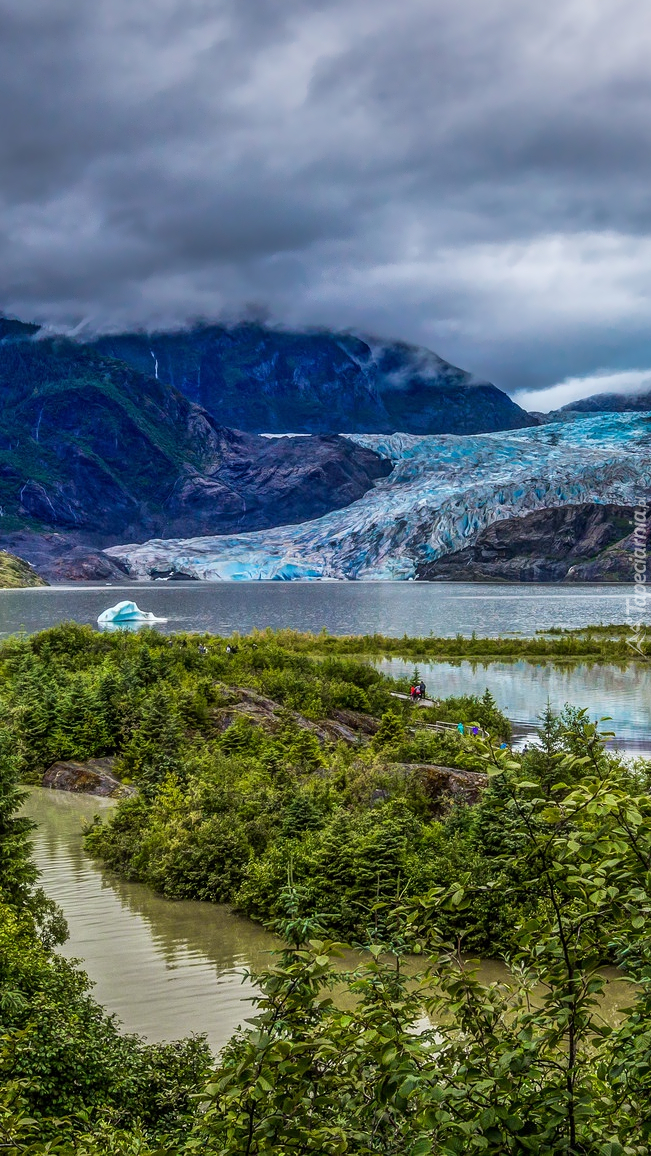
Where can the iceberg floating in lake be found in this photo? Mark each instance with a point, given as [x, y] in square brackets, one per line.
[126, 616]
[442, 492]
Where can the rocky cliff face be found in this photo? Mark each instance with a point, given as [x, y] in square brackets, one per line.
[583, 543]
[265, 380]
[99, 453]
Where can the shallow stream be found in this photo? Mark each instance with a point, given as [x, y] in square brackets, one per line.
[165, 968]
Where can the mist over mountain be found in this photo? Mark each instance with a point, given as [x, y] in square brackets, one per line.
[264, 380]
[132, 438]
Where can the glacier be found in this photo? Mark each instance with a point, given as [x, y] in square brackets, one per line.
[442, 492]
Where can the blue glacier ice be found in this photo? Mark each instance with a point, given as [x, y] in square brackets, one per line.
[442, 492]
[127, 616]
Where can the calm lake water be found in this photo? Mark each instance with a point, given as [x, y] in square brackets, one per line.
[166, 969]
[522, 690]
[392, 608]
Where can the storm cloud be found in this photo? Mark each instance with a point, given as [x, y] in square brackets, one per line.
[471, 176]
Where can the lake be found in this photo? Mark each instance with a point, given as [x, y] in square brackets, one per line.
[522, 690]
[391, 608]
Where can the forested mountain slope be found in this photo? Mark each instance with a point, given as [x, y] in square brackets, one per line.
[270, 381]
[90, 446]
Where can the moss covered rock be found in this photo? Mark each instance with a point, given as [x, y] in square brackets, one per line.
[15, 572]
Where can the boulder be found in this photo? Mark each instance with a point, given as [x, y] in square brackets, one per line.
[93, 777]
[447, 783]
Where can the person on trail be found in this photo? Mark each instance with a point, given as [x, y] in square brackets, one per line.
[422, 688]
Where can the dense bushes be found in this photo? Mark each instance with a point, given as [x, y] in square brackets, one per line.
[236, 797]
[231, 800]
[243, 800]
[232, 803]
[600, 643]
[504, 1070]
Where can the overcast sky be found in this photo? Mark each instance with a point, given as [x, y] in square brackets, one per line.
[471, 175]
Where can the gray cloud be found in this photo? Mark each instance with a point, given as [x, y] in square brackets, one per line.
[633, 381]
[470, 176]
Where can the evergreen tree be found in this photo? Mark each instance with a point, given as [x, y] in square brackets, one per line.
[153, 751]
[17, 872]
[391, 730]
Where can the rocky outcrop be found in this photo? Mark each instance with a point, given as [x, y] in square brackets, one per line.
[17, 572]
[343, 726]
[265, 380]
[582, 543]
[59, 558]
[442, 785]
[99, 453]
[94, 777]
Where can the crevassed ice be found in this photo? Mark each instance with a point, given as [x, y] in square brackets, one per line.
[442, 492]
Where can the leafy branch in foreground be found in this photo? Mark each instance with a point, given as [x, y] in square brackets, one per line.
[528, 1066]
[402, 1050]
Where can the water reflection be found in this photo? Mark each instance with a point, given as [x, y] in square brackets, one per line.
[166, 968]
[171, 968]
[523, 689]
[392, 608]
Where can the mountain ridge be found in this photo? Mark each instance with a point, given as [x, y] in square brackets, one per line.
[263, 380]
[610, 403]
[90, 447]
[95, 453]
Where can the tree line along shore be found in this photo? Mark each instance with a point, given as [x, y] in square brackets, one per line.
[279, 773]
[600, 643]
